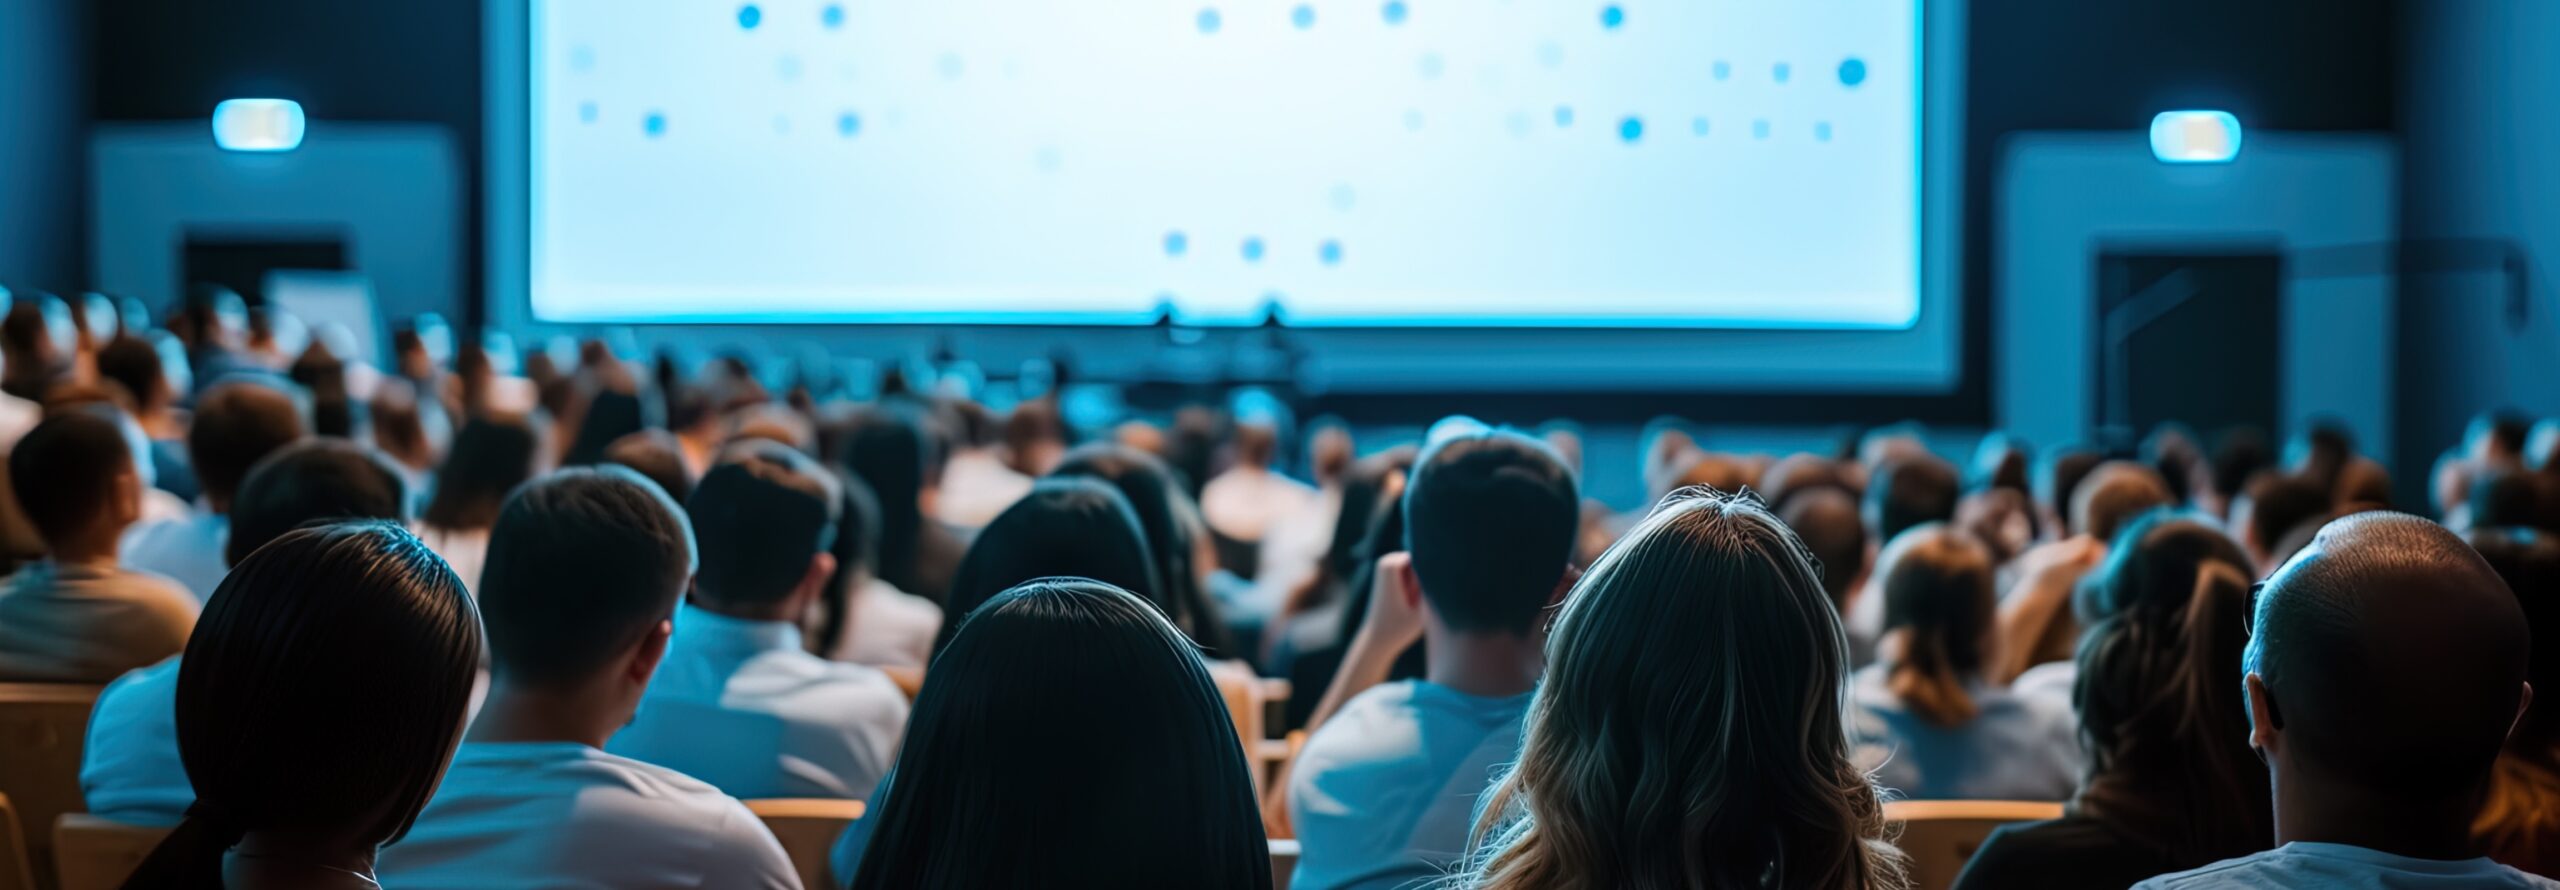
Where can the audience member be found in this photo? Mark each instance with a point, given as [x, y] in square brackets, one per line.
[2036, 623]
[871, 622]
[979, 800]
[1311, 618]
[133, 363]
[1826, 519]
[2238, 457]
[658, 456]
[323, 694]
[583, 573]
[1635, 772]
[2386, 668]
[129, 769]
[236, 425]
[2520, 826]
[1909, 491]
[1066, 527]
[887, 449]
[1176, 538]
[1385, 787]
[2272, 507]
[976, 483]
[491, 456]
[1243, 504]
[739, 701]
[81, 615]
[2058, 478]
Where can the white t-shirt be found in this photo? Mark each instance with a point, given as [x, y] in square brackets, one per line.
[1245, 502]
[2307, 864]
[186, 550]
[564, 816]
[1384, 794]
[740, 705]
[888, 627]
[2012, 749]
[129, 769]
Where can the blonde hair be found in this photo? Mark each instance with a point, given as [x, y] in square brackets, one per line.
[1689, 730]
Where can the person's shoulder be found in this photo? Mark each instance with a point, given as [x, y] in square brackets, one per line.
[2246, 871]
[1381, 714]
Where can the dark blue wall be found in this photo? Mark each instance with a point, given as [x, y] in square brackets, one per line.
[43, 131]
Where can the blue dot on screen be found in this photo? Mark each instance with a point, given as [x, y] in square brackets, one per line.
[1822, 131]
[1394, 12]
[1723, 70]
[1781, 71]
[1208, 21]
[1176, 243]
[1253, 250]
[1612, 15]
[587, 112]
[1303, 16]
[1344, 196]
[848, 124]
[832, 16]
[655, 124]
[1853, 72]
[1698, 126]
[1413, 119]
[1431, 66]
[749, 16]
[1760, 129]
[1564, 115]
[1631, 129]
[1330, 252]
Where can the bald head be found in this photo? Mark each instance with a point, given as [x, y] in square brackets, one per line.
[2394, 658]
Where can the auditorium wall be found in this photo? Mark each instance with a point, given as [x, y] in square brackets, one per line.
[42, 122]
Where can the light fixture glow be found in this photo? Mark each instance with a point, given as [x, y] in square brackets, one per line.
[262, 125]
[2195, 137]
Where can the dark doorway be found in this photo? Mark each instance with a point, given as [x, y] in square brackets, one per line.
[2188, 336]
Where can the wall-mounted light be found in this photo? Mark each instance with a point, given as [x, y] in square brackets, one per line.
[2195, 137]
[258, 125]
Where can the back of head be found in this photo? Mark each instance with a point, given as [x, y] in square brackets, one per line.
[976, 798]
[2501, 496]
[490, 457]
[320, 480]
[1490, 518]
[2058, 479]
[2171, 451]
[1689, 730]
[2238, 457]
[2319, 453]
[656, 455]
[1908, 491]
[1826, 519]
[1256, 444]
[2113, 495]
[2363, 482]
[2394, 658]
[760, 517]
[237, 424]
[2278, 504]
[322, 693]
[1938, 610]
[1171, 521]
[133, 363]
[73, 473]
[1798, 474]
[2529, 561]
[886, 448]
[582, 565]
[1070, 527]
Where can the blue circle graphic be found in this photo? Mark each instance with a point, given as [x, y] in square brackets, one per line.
[1303, 16]
[1394, 12]
[1176, 243]
[1209, 20]
[1253, 250]
[655, 124]
[749, 16]
[1612, 16]
[1330, 252]
[1853, 72]
[1631, 129]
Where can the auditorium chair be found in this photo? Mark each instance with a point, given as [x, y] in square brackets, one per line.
[1284, 862]
[1941, 835]
[94, 854]
[910, 680]
[807, 828]
[42, 729]
[15, 872]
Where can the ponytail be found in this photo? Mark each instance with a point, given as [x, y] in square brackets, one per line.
[190, 857]
[1928, 684]
[1938, 600]
[2214, 721]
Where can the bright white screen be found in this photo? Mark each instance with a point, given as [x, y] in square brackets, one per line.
[1705, 163]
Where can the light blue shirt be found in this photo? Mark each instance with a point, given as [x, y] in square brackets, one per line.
[564, 816]
[744, 706]
[2013, 749]
[187, 550]
[2306, 864]
[1384, 794]
[129, 769]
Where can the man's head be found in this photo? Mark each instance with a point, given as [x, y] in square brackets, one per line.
[135, 364]
[2113, 495]
[236, 425]
[1910, 490]
[582, 575]
[324, 480]
[1490, 518]
[2386, 665]
[765, 520]
[2058, 479]
[74, 476]
[656, 455]
[1827, 519]
[2272, 506]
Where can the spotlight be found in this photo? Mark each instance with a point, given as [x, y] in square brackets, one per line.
[2195, 137]
[262, 125]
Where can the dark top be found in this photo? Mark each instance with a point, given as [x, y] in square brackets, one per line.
[2071, 853]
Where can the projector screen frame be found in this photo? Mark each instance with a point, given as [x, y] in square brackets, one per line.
[1925, 359]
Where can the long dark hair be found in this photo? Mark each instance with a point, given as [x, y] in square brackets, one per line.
[1938, 595]
[491, 456]
[324, 688]
[886, 448]
[977, 795]
[1064, 527]
[2159, 694]
[1171, 520]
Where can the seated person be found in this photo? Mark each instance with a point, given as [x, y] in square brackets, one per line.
[1926, 723]
[1385, 791]
[236, 425]
[2154, 560]
[129, 770]
[584, 570]
[80, 615]
[880, 625]
[323, 693]
[2036, 624]
[2386, 668]
[2521, 824]
[739, 701]
[980, 800]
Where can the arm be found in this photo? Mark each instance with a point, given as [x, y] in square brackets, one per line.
[1392, 625]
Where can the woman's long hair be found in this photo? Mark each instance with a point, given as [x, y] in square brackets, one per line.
[1939, 610]
[886, 447]
[490, 457]
[1689, 733]
[1065, 527]
[2159, 694]
[324, 688]
[987, 792]
[1171, 520]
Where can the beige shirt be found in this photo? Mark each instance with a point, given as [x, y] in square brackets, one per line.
[73, 624]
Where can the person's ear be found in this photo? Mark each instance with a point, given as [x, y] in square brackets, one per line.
[646, 656]
[1409, 585]
[813, 583]
[2266, 725]
[129, 495]
[1564, 585]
